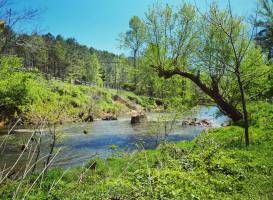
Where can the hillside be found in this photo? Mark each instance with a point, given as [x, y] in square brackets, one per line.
[30, 97]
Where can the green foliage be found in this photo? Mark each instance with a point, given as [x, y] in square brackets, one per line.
[213, 60]
[33, 98]
[264, 120]
[93, 69]
[57, 56]
[134, 38]
[13, 86]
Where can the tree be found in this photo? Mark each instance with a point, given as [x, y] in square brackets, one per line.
[179, 49]
[173, 38]
[245, 61]
[265, 23]
[37, 52]
[134, 39]
[122, 71]
[236, 45]
[59, 52]
[220, 61]
[13, 19]
[150, 84]
[13, 87]
[93, 68]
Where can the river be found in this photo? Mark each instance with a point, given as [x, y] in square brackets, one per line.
[104, 138]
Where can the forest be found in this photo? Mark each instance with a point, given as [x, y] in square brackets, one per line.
[186, 112]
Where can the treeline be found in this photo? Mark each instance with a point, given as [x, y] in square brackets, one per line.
[67, 59]
[57, 56]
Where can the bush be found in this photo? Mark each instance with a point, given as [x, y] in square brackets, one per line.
[14, 96]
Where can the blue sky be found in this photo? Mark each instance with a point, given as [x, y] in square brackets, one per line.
[97, 23]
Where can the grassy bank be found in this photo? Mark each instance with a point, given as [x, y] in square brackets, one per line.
[77, 102]
[27, 95]
[216, 165]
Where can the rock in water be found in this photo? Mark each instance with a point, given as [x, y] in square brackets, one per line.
[196, 122]
[89, 118]
[205, 122]
[140, 118]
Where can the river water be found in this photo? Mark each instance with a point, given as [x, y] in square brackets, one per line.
[103, 138]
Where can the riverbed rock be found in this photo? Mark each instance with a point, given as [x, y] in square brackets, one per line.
[196, 122]
[205, 122]
[140, 118]
[109, 117]
[185, 122]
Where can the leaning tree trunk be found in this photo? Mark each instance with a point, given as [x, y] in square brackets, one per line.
[223, 105]
[226, 107]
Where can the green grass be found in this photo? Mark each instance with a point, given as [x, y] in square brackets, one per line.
[216, 165]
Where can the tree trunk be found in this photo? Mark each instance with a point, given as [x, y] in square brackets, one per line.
[223, 105]
[135, 65]
[245, 114]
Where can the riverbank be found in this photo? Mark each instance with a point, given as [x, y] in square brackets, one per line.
[59, 102]
[216, 165]
[27, 97]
